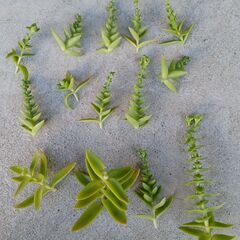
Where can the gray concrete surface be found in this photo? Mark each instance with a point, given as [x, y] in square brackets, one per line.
[211, 88]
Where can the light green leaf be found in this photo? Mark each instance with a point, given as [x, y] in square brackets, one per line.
[170, 86]
[43, 163]
[132, 180]
[145, 216]
[84, 202]
[192, 231]
[21, 186]
[223, 237]
[37, 127]
[17, 169]
[134, 34]
[38, 197]
[24, 71]
[105, 39]
[176, 74]
[82, 178]
[33, 163]
[161, 210]
[115, 44]
[160, 204]
[164, 68]
[145, 43]
[59, 40]
[73, 41]
[60, 175]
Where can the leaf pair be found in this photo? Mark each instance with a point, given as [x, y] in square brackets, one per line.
[137, 31]
[103, 189]
[149, 191]
[101, 105]
[67, 85]
[202, 226]
[170, 75]
[36, 174]
[72, 39]
[136, 112]
[111, 37]
[176, 27]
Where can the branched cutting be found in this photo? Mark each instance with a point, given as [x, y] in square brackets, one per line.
[149, 191]
[137, 31]
[176, 27]
[101, 105]
[203, 226]
[67, 85]
[169, 76]
[136, 111]
[111, 37]
[72, 39]
[36, 174]
[103, 189]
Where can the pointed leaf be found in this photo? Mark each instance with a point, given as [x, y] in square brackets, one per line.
[223, 237]
[164, 68]
[58, 40]
[38, 197]
[82, 177]
[90, 189]
[84, 202]
[176, 74]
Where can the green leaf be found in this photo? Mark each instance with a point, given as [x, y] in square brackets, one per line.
[59, 40]
[26, 203]
[37, 127]
[145, 43]
[89, 120]
[161, 203]
[168, 43]
[91, 173]
[164, 68]
[119, 173]
[131, 41]
[170, 86]
[161, 210]
[38, 197]
[60, 175]
[223, 237]
[21, 186]
[132, 180]
[90, 189]
[118, 215]
[145, 216]
[24, 71]
[105, 39]
[17, 169]
[220, 225]
[115, 43]
[176, 74]
[82, 178]
[33, 163]
[134, 34]
[117, 189]
[88, 216]
[43, 163]
[95, 163]
[192, 231]
[73, 41]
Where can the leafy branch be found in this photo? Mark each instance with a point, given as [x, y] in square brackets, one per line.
[111, 37]
[169, 76]
[67, 86]
[149, 191]
[24, 51]
[103, 189]
[201, 228]
[136, 112]
[176, 27]
[101, 105]
[36, 174]
[137, 31]
[72, 39]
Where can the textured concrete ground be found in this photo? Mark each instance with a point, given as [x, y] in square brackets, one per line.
[211, 88]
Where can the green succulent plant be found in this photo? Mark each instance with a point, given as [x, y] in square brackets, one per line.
[24, 51]
[103, 189]
[176, 27]
[31, 121]
[71, 45]
[137, 31]
[101, 105]
[111, 37]
[148, 192]
[136, 115]
[67, 85]
[203, 226]
[169, 76]
[36, 175]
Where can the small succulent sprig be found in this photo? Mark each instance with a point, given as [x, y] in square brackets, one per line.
[176, 27]
[36, 174]
[103, 189]
[111, 37]
[136, 115]
[72, 39]
[31, 121]
[149, 191]
[101, 105]
[24, 51]
[202, 227]
[169, 76]
[137, 31]
[67, 85]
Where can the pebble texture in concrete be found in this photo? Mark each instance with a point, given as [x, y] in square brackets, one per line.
[211, 88]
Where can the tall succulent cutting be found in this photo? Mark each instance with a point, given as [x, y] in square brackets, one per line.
[103, 189]
[31, 116]
[137, 31]
[101, 105]
[203, 226]
[148, 192]
[176, 27]
[136, 115]
[66, 85]
[72, 39]
[111, 37]
[36, 174]
[169, 76]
